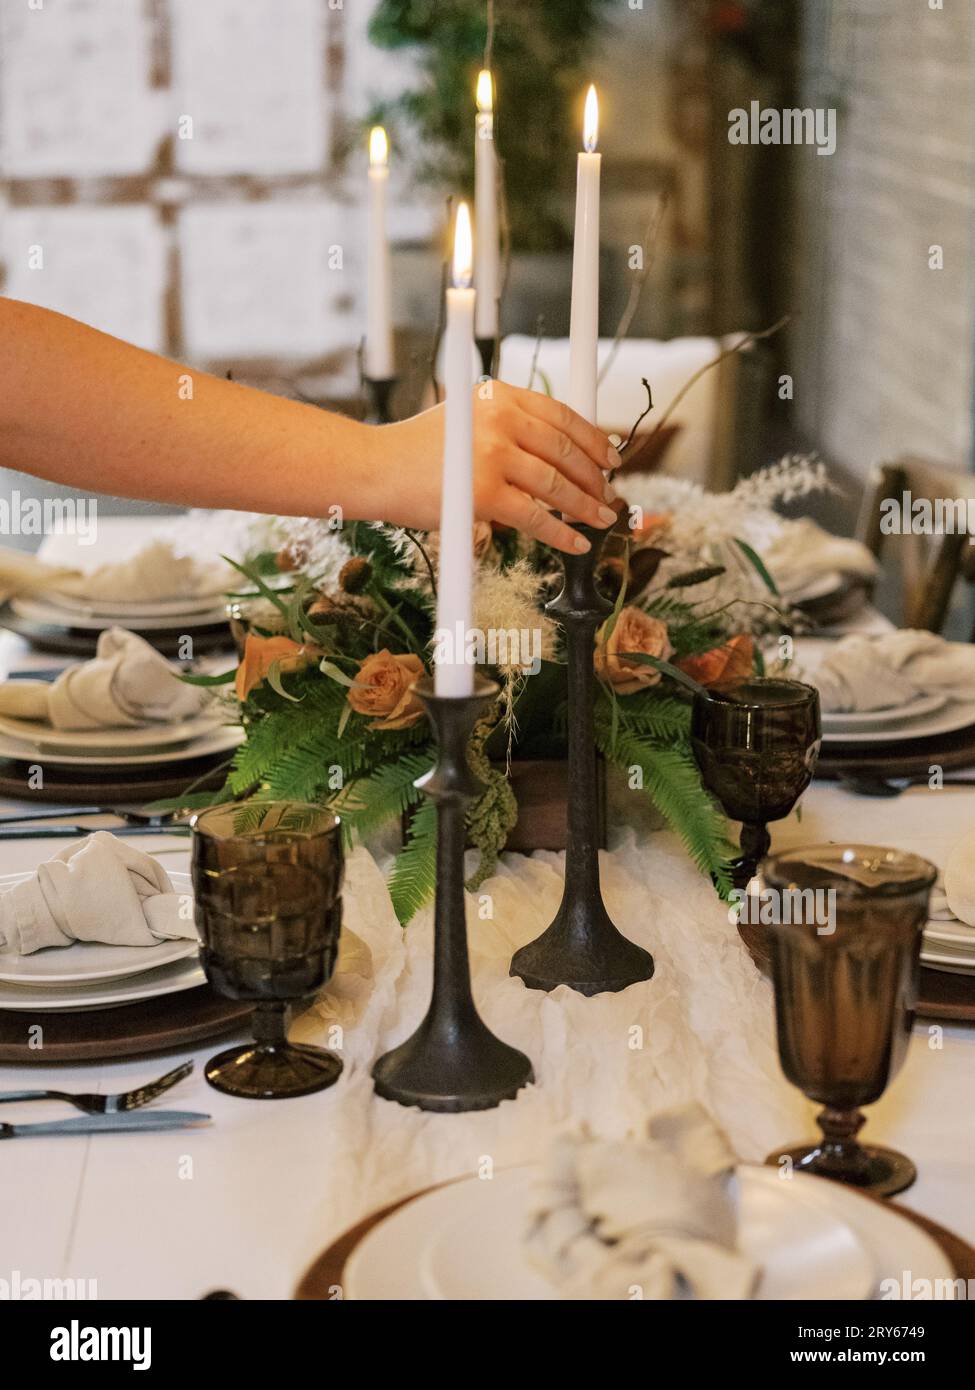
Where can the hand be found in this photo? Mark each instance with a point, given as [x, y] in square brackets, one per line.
[531, 453]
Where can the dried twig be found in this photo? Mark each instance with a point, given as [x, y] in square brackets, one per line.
[639, 419]
[426, 558]
[744, 341]
[636, 289]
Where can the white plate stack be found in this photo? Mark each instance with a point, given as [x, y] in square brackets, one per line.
[90, 975]
[923, 716]
[102, 750]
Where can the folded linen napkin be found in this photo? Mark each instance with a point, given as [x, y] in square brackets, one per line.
[866, 673]
[658, 1215]
[156, 572]
[100, 889]
[802, 551]
[127, 683]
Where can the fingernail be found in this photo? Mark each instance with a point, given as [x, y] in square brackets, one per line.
[610, 493]
[612, 457]
[581, 545]
[607, 516]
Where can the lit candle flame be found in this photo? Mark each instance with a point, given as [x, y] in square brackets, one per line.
[485, 92]
[590, 124]
[463, 272]
[378, 147]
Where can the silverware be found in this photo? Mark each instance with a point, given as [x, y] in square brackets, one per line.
[54, 832]
[57, 812]
[107, 1105]
[106, 1124]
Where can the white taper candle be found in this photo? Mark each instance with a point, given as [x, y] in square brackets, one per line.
[486, 249]
[584, 316]
[378, 357]
[453, 674]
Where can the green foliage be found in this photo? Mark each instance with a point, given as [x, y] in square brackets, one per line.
[670, 777]
[494, 814]
[368, 803]
[414, 876]
[538, 61]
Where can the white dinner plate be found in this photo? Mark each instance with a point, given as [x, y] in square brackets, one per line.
[944, 958]
[103, 994]
[112, 609]
[957, 935]
[121, 740]
[87, 962]
[219, 740]
[45, 611]
[814, 1239]
[956, 714]
[879, 718]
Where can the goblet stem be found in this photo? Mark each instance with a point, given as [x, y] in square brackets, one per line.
[843, 1158]
[269, 1023]
[755, 844]
[840, 1154]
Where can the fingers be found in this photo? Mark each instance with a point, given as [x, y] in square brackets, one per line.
[585, 436]
[544, 481]
[558, 449]
[527, 514]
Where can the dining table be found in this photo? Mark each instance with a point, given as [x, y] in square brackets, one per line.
[246, 1203]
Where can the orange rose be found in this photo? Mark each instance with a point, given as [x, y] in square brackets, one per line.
[732, 661]
[260, 654]
[384, 690]
[635, 631]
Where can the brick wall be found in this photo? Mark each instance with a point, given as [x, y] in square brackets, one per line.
[883, 350]
[180, 172]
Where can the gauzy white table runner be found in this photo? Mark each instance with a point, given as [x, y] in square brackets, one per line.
[248, 1203]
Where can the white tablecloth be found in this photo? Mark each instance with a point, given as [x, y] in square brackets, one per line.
[249, 1202]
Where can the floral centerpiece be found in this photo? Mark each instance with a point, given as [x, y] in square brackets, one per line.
[338, 624]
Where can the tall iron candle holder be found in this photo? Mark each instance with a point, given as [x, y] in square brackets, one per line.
[582, 948]
[453, 1061]
[380, 392]
[486, 350]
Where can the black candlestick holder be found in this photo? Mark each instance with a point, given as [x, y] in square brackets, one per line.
[380, 392]
[487, 349]
[453, 1061]
[582, 948]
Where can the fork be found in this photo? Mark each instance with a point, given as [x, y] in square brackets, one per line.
[107, 1105]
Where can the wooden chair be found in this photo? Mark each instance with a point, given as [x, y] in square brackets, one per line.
[927, 567]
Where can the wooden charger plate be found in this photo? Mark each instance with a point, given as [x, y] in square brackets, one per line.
[81, 785]
[907, 757]
[151, 1025]
[322, 1282]
[78, 641]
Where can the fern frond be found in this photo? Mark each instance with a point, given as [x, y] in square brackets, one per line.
[673, 781]
[368, 803]
[414, 877]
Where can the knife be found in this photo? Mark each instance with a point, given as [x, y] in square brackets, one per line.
[103, 1124]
